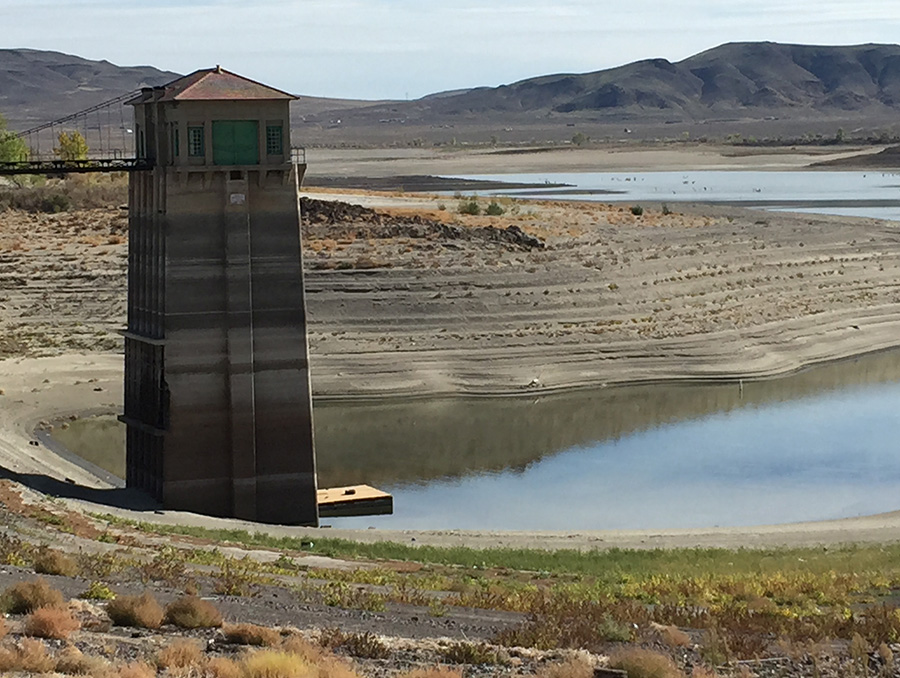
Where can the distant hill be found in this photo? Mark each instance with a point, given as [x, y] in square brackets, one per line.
[36, 85]
[760, 88]
[756, 80]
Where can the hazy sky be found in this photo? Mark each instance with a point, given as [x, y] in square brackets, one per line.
[408, 48]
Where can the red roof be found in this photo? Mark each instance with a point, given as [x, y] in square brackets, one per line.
[217, 84]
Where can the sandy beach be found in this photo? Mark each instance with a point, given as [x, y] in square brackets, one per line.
[397, 311]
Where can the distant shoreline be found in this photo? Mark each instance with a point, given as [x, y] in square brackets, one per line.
[421, 183]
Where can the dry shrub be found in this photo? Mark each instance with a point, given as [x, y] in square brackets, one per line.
[180, 654]
[332, 667]
[222, 667]
[436, 672]
[27, 596]
[250, 634]
[638, 662]
[7, 660]
[191, 612]
[51, 561]
[275, 664]
[4, 628]
[167, 566]
[471, 653]
[364, 645]
[328, 665]
[574, 667]
[30, 655]
[141, 611]
[72, 661]
[672, 636]
[703, 672]
[298, 645]
[51, 622]
[137, 670]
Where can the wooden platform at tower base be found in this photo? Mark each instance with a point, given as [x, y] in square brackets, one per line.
[354, 500]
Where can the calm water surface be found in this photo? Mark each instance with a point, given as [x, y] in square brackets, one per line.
[871, 194]
[819, 444]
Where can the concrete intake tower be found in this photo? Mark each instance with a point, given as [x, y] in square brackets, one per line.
[217, 389]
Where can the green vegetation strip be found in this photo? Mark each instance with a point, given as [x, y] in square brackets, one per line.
[847, 559]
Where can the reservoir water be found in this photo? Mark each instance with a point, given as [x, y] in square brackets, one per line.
[867, 194]
[820, 444]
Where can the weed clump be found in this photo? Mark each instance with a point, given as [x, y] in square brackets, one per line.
[562, 622]
[222, 667]
[51, 622]
[471, 653]
[611, 630]
[98, 591]
[494, 209]
[29, 655]
[574, 667]
[637, 210]
[70, 660]
[167, 566]
[672, 636]
[250, 634]
[27, 596]
[13, 551]
[180, 654]
[363, 645]
[99, 565]
[51, 561]
[342, 594]
[137, 670]
[237, 578]
[269, 663]
[191, 612]
[469, 206]
[641, 663]
[140, 611]
[298, 645]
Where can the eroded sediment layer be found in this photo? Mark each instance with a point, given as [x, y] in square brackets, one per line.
[403, 307]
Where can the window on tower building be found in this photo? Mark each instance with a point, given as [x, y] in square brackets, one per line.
[274, 140]
[196, 141]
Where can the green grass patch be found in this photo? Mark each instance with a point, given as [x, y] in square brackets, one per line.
[618, 564]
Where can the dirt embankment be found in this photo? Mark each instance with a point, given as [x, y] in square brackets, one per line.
[549, 295]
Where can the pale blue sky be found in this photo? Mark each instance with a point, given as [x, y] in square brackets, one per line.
[400, 48]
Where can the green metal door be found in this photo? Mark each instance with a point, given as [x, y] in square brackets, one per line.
[235, 142]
